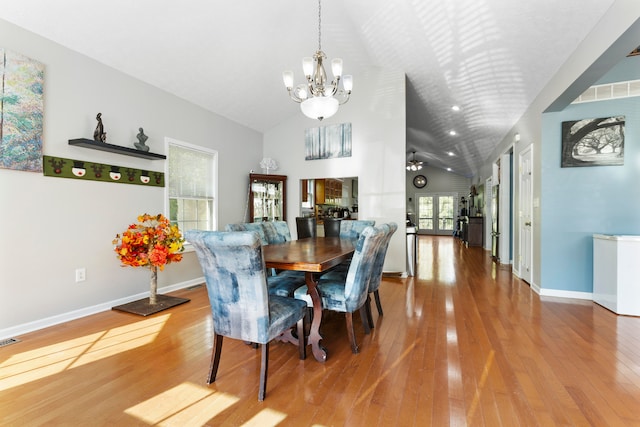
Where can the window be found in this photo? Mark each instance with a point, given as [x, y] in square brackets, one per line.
[192, 186]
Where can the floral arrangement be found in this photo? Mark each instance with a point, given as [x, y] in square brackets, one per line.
[152, 242]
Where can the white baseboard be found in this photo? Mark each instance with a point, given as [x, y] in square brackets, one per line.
[24, 328]
[566, 294]
[535, 288]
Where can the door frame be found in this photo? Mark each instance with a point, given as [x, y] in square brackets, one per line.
[527, 154]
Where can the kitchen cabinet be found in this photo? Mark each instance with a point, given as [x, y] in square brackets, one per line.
[328, 191]
[267, 197]
[305, 190]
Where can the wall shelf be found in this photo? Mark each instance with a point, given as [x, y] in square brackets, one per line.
[103, 146]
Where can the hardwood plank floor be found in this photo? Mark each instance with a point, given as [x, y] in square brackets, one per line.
[462, 343]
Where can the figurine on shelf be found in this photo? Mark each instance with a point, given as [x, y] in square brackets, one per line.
[142, 138]
[99, 134]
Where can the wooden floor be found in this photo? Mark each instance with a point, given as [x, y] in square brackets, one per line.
[462, 343]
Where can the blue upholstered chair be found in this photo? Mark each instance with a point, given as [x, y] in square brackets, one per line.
[283, 234]
[250, 226]
[348, 294]
[376, 273]
[351, 229]
[282, 283]
[242, 308]
[270, 231]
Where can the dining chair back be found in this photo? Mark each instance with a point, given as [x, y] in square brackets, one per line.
[241, 306]
[250, 226]
[277, 231]
[332, 227]
[306, 227]
[351, 229]
[269, 231]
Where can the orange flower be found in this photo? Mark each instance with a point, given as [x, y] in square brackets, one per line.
[152, 241]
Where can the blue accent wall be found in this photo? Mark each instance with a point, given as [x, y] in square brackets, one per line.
[581, 201]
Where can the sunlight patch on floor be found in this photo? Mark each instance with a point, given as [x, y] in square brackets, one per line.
[185, 404]
[44, 361]
[264, 418]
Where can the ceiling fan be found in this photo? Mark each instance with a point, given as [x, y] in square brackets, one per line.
[413, 164]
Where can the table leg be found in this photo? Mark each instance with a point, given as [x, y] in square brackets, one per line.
[314, 333]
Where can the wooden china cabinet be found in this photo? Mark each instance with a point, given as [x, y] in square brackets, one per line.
[267, 197]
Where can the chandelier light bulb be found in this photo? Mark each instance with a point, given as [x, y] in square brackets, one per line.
[307, 66]
[336, 67]
[347, 83]
[287, 77]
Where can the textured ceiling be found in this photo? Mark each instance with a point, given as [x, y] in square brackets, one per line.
[490, 57]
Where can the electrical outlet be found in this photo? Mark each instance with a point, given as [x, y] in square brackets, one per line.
[81, 274]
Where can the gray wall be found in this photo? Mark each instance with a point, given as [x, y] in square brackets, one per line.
[52, 226]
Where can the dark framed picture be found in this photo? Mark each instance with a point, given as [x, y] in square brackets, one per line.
[593, 142]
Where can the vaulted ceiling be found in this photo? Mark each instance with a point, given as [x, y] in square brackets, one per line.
[489, 57]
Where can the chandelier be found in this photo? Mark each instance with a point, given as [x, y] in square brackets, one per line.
[413, 164]
[318, 98]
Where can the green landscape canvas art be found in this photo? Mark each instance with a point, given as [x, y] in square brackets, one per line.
[21, 112]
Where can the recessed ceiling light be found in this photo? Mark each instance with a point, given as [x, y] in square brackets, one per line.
[455, 108]
[452, 133]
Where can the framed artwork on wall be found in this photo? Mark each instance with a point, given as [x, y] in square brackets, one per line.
[21, 112]
[593, 142]
[327, 142]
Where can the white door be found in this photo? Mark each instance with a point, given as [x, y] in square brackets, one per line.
[487, 214]
[526, 214]
[436, 213]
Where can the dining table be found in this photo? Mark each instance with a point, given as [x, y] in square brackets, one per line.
[314, 256]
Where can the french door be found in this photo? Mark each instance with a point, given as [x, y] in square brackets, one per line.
[437, 213]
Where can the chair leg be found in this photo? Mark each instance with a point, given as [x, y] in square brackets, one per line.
[302, 344]
[378, 304]
[215, 357]
[364, 316]
[368, 308]
[264, 365]
[351, 333]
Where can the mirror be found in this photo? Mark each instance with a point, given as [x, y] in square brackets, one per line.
[329, 197]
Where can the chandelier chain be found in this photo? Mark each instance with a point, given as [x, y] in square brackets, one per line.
[319, 25]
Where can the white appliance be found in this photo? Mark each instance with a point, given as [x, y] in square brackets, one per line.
[615, 278]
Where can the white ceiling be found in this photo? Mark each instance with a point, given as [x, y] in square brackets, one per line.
[491, 57]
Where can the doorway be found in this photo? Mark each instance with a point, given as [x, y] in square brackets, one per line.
[436, 213]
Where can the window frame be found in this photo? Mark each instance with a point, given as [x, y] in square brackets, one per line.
[188, 146]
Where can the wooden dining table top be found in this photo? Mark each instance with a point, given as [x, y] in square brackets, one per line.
[313, 254]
